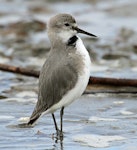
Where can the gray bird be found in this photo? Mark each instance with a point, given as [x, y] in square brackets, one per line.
[65, 73]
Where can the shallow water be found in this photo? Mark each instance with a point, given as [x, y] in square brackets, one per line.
[96, 121]
[108, 120]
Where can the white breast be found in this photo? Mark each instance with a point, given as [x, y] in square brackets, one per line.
[82, 80]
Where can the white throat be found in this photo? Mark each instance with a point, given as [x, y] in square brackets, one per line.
[66, 35]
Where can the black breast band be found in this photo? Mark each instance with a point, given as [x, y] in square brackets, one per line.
[72, 41]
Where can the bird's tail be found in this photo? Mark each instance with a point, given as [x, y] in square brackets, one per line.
[33, 120]
[30, 123]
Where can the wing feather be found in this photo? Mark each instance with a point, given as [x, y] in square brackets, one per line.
[54, 83]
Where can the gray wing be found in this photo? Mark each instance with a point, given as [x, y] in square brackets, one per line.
[54, 83]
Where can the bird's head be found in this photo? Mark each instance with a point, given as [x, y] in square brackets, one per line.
[63, 27]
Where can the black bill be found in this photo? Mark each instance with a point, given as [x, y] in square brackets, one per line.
[84, 32]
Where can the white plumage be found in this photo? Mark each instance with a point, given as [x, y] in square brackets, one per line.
[82, 80]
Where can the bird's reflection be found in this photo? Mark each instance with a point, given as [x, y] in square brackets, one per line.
[58, 142]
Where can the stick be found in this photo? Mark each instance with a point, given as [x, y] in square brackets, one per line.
[113, 81]
[92, 80]
[19, 70]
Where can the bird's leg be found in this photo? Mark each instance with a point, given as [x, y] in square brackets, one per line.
[61, 121]
[59, 132]
[55, 123]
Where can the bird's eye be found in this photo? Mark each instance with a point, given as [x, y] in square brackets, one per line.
[66, 24]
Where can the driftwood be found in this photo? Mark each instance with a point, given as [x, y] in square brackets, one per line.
[113, 81]
[92, 80]
[19, 70]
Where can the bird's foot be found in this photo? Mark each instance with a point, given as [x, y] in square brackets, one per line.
[60, 135]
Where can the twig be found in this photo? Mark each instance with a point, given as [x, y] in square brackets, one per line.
[19, 70]
[113, 81]
[110, 92]
[92, 80]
